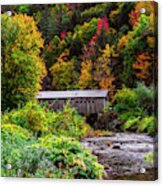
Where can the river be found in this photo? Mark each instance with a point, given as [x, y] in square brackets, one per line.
[123, 155]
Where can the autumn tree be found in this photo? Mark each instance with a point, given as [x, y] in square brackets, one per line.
[144, 68]
[98, 74]
[64, 75]
[22, 67]
[103, 69]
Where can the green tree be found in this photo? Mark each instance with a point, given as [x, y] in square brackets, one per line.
[22, 67]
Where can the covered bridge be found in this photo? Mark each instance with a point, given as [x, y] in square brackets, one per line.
[85, 101]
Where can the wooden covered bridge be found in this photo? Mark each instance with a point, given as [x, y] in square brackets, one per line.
[85, 101]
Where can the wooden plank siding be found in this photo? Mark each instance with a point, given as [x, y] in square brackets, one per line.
[85, 101]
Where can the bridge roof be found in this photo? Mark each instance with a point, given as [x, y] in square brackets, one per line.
[72, 94]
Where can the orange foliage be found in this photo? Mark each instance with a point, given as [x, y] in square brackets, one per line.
[142, 66]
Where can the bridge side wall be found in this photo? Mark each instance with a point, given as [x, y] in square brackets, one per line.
[83, 105]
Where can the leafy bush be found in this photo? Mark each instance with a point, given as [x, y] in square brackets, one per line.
[125, 100]
[145, 96]
[135, 102]
[132, 123]
[41, 120]
[15, 130]
[32, 116]
[147, 124]
[14, 138]
[54, 157]
[69, 123]
[151, 158]
[74, 160]
[136, 108]
[127, 104]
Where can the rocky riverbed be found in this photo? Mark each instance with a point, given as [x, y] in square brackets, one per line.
[123, 155]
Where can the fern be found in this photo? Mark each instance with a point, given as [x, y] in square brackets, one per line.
[148, 124]
[132, 123]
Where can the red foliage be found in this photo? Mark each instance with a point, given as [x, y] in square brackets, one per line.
[135, 16]
[93, 39]
[101, 25]
[63, 34]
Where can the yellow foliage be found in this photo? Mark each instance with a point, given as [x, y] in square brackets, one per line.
[28, 36]
[86, 78]
[107, 83]
[103, 73]
[113, 15]
[151, 41]
[122, 42]
[64, 75]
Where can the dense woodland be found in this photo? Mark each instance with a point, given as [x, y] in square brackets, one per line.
[109, 46]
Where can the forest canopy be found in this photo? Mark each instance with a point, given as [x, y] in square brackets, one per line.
[83, 46]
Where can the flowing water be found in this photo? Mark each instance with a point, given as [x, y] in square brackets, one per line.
[123, 155]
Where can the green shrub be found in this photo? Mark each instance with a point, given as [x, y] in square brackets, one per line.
[54, 157]
[13, 140]
[136, 108]
[148, 124]
[132, 123]
[151, 158]
[145, 96]
[127, 104]
[72, 158]
[32, 116]
[135, 102]
[125, 99]
[15, 130]
[69, 123]
[40, 120]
